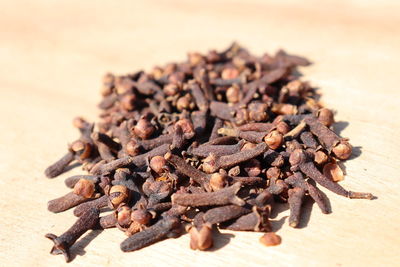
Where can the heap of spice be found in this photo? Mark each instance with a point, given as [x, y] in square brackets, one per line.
[212, 142]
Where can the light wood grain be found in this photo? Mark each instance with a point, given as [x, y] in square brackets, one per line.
[53, 54]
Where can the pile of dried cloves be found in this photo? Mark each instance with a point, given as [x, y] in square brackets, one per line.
[212, 142]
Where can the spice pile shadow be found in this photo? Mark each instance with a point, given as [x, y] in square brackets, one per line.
[212, 142]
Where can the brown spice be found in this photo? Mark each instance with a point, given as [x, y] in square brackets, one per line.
[213, 141]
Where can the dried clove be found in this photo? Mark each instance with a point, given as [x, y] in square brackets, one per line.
[98, 203]
[299, 158]
[295, 201]
[220, 197]
[214, 142]
[212, 163]
[340, 147]
[58, 167]
[217, 150]
[224, 213]
[63, 242]
[154, 233]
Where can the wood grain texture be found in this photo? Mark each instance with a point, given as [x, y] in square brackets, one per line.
[53, 54]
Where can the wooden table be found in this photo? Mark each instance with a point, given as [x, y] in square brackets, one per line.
[53, 54]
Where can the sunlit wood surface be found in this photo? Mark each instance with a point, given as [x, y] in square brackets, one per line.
[53, 54]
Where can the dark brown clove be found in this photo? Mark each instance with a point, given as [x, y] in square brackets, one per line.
[256, 221]
[248, 181]
[179, 139]
[340, 147]
[83, 191]
[221, 110]
[199, 119]
[218, 150]
[198, 176]
[295, 201]
[108, 221]
[297, 180]
[223, 140]
[98, 203]
[299, 158]
[221, 197]
[257, 127]
[65, 202]
[156, 191]
[199, 98]
[154, 233]
[277, 186]
[71, 181]
[155, 142]
[58, 167]
[138, 161]
[224, 213]
[218, 123]
[212, 163]
[308, 139]
[63, 242]
[251, 136]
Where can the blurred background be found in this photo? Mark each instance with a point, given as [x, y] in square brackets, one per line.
[54, 53]
[65, 44]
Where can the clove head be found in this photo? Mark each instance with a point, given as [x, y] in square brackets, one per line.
[274, 139]
[218, 181]
[132, 148]
[320, 157]
[185, 102]
[124, 215]
[144, 129]
[128, 102]
[118, 194]
[333, 172]
[158, 164]
[233, 94]
[186, 125]
[171, 89]
[252, 167]
[325, 116]
[273, 173]
[141, 216]
[270, 239]
[229, 73]
[297, 157]
[202, 239]
[209, 163]
[84, 188]
[342, 150]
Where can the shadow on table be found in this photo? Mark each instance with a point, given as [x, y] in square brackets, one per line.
[79, 247]
[71, 166]
[278, 208]
[220, 239]
[339, 126]
[277, 224]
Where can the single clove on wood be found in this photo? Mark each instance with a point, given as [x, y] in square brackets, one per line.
[213, 142]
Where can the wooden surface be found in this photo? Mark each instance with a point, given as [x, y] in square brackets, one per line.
[53, 54]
